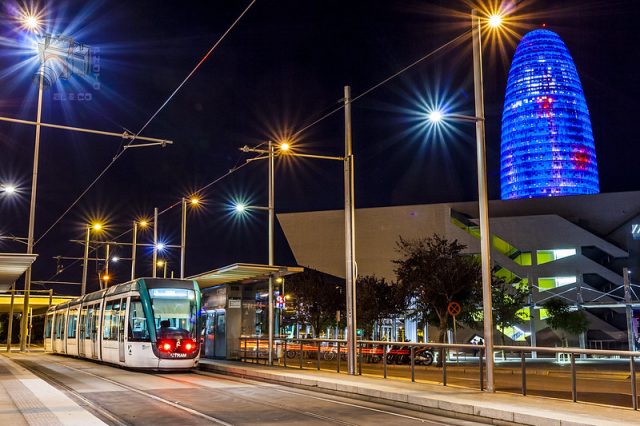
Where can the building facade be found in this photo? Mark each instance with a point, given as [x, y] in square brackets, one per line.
[573, 248]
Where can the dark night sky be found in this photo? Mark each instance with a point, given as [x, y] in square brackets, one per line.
[282, 67]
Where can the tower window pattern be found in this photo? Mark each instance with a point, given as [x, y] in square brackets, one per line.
[547, 143]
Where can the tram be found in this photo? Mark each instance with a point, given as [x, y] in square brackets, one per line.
[147, 323]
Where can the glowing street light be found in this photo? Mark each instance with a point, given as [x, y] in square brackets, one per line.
[240, 208]
[9, 189]
[115, 259]
[30, 22]
[161, 246]
[162, 264]
[495, 20]
[284, 147]
[435, 116]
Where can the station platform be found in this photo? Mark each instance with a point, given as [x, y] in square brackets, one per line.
[451, 401]
[25, 399]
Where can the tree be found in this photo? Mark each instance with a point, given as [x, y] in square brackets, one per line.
[508, 298]
[317, 298]
[377, 299]
[563, 317]
[434, 272]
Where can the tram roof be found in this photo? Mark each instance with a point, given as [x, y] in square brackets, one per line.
[12, 266]
[243, 273]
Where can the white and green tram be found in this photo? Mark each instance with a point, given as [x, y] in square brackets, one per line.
[148, 323]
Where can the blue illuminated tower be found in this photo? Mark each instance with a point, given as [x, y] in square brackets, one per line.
[547, 143]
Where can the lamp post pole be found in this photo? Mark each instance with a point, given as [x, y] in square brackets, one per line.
[349, 235]
[155, 241]
[628, 308]
[271, 244]
[32, 215]
[183, 236]
[85, 264]
[483, 199]
[134, 243]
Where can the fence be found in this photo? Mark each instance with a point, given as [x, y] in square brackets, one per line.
[466, 358]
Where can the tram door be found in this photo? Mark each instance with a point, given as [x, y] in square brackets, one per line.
[81, 330]
[95, 338]
[121, 324]
[215, 337]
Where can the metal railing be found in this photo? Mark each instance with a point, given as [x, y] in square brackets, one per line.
[291, 353]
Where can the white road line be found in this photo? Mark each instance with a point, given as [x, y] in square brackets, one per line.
[157, 398]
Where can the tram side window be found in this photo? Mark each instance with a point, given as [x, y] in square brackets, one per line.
[48, 326]
[115, 319]
[73, 321]
[138, 330]
[87, 323]
[106, 321]
[59, 325]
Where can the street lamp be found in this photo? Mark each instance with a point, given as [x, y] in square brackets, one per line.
[57, 54]
[85, 267]
[134, 244]
[8, 189]
[193, 201]
[349, 211]
[494, 22]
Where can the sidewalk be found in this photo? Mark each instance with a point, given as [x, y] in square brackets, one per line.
[450, 401]
[26, 399]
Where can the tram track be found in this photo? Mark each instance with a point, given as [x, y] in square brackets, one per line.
[191, 379]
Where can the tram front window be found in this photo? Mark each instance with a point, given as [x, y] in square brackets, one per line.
[174, 312]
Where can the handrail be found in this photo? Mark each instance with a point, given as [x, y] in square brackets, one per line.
[562, 350]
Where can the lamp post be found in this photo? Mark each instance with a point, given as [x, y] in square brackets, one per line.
[85, 264]
[162, 264]
[134, 245]
[483, 198]
[193, 201]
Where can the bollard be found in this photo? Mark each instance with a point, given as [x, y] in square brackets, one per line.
[360, 359]
[284, 357]
[523, 366]
[481, 353]
[258, 350]
[318, 357]
[444, 367]
[413, 363]
[384, 360]
[339, 356]
[300, 342]
[634, 391]
[574, 387]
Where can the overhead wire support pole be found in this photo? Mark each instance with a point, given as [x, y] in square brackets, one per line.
[134, 243]
[628, 308]
[483, 199]
[349, 236]
[271, 243]
[85, 265]
[183, 236]
[155, 241]
[24, 323]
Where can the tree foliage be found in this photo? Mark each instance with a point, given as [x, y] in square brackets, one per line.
[377, 299]
[508, 297]
[433, 273]
[316, 297]
[563, 317]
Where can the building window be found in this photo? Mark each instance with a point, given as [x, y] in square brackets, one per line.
[546, 256]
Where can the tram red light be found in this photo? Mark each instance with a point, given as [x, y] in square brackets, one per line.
[166, 345]
[188, 345]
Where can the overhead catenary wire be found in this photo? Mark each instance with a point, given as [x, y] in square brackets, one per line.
[122, 149]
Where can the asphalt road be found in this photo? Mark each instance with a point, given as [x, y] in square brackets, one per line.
[124, 397]
[598, 382]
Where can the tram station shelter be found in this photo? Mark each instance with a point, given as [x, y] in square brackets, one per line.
[571, 247]
[235, 304]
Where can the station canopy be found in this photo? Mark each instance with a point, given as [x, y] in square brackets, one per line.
[243, 273]
[12, 266]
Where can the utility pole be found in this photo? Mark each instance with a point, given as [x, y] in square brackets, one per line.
[349, 236]
[134, 243]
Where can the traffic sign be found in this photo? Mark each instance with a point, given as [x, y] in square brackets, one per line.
[454, 309]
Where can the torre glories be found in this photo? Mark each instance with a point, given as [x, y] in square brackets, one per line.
[547, 144]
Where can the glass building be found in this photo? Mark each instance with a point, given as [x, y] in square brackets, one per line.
[547, 143]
